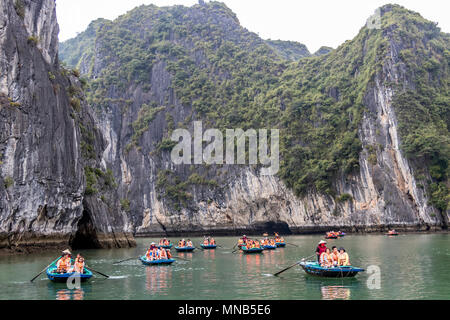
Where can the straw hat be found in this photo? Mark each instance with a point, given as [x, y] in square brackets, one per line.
[322, 241]
[67, 251]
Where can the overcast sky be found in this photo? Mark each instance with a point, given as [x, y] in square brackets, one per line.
[314, 23]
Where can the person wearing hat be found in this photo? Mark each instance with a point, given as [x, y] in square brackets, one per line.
[63, 265]
[343, 258]
[321, 248]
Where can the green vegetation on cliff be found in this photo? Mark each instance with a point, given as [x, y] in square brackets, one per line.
[231, 78]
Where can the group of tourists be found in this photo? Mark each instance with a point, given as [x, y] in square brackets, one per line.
[333, 257]
[64, 264]
[154, 253]
[183, 243]
[164, 242]
[268, 242]
[209, 241]
[278, 238]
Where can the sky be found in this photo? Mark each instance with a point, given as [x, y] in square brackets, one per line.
[313, 23]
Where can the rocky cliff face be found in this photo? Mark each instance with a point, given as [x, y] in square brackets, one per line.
[43, 200]
[139, 103]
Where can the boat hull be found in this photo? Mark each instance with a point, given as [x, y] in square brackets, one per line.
[253, 250]
[209, 247]
[281, 244]
[61, 278]
[166, 247]
[156, 262]
[269, 247]
[314, 269]
[185, 249]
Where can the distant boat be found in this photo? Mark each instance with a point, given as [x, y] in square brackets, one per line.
[252, 250]
[185, 249]
[313, 268]
[341, 234]
[62, 277]
[166, 246]
[156, 262]
[331, 236]
[392, 233]
[209, 246]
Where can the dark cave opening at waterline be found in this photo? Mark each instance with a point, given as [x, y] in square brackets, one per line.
[86, 235]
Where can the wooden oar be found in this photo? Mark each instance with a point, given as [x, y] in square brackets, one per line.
[276, 274]
[178, 257]
[293, 244]
[105, 275]
[44, 269]
[126, 260]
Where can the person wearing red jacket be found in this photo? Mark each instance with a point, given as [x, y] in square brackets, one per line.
[320, 249]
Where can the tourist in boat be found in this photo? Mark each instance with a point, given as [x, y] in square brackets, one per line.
[64, 263]
[334, 256]
[212, 241]
[189, 243]
[152, 252]
[78, 266]
[205, 241]
[320, 249]
[163, 254]
[325, 259]
[182, 243]
[272, 242]
[343, 258]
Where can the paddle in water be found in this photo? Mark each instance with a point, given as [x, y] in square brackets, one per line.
[293, 244]
[44, 269]
[276, 274]
[105, 275]
[125, 260]
[178, 257]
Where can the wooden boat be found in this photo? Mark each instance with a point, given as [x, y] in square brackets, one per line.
[331, 236]
[341, 234]
[281, 244]
[156, 262]
[166, 247]
[62, 277]
[185, 249]
[392, 234]
[313, 268]
[268, 247]
[209, 246]
[252, 250]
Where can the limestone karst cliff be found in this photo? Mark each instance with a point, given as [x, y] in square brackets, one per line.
[343, 163]
[44, 125]
[85, 153]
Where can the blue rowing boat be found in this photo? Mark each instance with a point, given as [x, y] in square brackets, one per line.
[185, 249]
[209, 246]
[62, 277]
[252, 250]
[313, 268]
[156, 262]
[281, 244]
[166, 247]
[269, 247]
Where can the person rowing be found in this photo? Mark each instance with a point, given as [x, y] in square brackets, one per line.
[64, 263]
[320, 249]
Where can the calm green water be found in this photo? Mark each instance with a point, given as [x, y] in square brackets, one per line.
[414, 266]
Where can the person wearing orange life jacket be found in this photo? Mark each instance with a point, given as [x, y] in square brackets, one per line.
[334, 256]
[212, 241]
[169, 254]
[163, 254]
[343, 258]
[205, 241]
[64, 263]
[189, 243]
[79, 264]
[325, 259]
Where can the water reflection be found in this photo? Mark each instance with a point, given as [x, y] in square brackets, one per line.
[335, 292]
[66, 294]
[158, 279]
